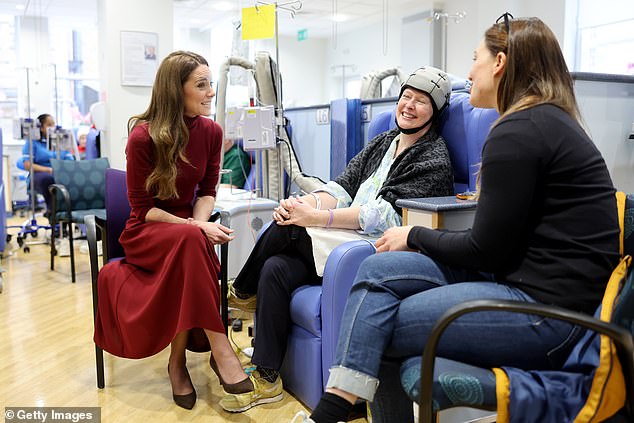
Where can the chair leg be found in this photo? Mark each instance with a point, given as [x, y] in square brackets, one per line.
[224, 300]
[72, 252]
[99, 363]
[53, 224]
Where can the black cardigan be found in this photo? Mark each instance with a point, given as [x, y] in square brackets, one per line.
[422, 170]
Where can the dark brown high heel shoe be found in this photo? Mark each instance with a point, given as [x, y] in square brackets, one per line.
[186, 401]
[214, 367]
[241, 387]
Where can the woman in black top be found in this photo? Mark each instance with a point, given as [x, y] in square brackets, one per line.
[545, 231]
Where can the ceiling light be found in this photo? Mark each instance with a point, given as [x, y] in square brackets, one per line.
[223, 5]
[20, 6]
[340, 18]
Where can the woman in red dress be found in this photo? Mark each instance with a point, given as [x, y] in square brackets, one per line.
[165, 290]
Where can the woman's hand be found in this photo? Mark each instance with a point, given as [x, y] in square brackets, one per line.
[394, 239]
[215, 232]
[295, 211]
[282, 212]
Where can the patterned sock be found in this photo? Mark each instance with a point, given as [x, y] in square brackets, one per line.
[270, 375]
[331, 409]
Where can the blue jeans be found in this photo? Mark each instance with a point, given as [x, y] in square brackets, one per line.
[394, 302]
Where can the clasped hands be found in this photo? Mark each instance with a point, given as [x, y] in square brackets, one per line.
[295, 211]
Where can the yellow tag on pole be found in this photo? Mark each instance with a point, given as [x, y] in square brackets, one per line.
[258, 22]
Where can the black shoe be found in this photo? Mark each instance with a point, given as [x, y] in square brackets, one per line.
[214, 367]
[186, 401]
[240, 387]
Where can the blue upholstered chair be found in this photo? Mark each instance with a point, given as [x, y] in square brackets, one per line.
[78, 191]
[316, 311]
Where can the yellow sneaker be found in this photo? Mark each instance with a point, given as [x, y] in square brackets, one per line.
[264, 392]
[244, 304]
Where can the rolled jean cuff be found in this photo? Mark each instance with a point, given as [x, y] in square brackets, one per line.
[352, 381]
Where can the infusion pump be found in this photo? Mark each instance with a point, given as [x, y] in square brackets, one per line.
[255, 125]
[26, 128]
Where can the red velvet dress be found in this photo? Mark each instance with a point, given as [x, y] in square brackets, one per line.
[168, 280]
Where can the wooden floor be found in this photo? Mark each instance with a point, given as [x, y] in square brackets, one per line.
[47, 354]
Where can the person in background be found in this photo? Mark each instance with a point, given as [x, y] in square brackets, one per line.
[238, 162]
[42, 170]
[165, 291]
[82, 133]
[408, 161]
[545, 231]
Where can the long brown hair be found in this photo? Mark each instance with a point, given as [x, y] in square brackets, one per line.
[166, 123]
[535, 72]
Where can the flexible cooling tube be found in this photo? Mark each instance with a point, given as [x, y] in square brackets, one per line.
[371, 83]
[264, 74]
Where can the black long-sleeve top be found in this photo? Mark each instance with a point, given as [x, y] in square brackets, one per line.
[546, 220]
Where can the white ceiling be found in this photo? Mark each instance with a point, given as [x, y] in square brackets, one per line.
[53, 8]
[314, 15]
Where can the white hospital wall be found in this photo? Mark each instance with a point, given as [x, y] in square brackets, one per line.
[464, 37]
[125, 101]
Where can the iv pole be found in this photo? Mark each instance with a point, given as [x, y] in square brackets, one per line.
[353, 68]
[457, 18]
[56, 92]
[291, 6]
[30, 226]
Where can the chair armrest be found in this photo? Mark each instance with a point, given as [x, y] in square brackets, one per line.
[215, 215]
[621, 337]
[59, 189]
[341, 268]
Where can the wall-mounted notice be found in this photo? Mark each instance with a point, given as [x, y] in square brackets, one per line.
[139, 51]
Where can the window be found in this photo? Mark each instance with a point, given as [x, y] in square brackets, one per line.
[65, 80]
[74, 48]
[605, 37]
[8, 77]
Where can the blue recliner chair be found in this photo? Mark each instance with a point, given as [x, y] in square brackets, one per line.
[316, 311]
